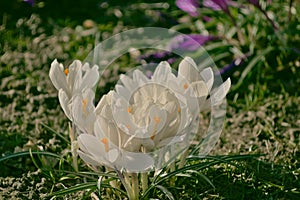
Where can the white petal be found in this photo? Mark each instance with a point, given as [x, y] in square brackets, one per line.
[139, 77]
[90, 78]
[158, 118]
[200, 91]
[188, 69]
[220, 93]
[93, 146]
[128, 82]
[74, 69]
[136, 162]
[121, 115]
[64, 103]
[171, 140]
[58, 76]
[88, 158]
[106, 128]
[83, 111]
[208, 76]
[76, 86]
[113, 155]
[162, 72]
[122, 91]
[105, 100]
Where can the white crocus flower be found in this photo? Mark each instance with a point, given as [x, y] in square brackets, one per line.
[144, 115]
[83, 111]
[73, 81]
[202, 83]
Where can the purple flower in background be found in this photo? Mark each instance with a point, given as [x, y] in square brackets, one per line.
[190, 42]
[30, 2]
[254, 2]
[189, 6]
[217, 4]
[179, 43]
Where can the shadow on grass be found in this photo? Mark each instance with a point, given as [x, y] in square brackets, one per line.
[248, 179]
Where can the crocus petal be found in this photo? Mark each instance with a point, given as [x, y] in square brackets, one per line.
[90, 78]
[127, 82]
[94, 147]
[136, 162]
[221, 92]
[105, 100]
[83, 111]
[139, 77]
[187, 69]
[161, 72]
[123, 91]
[217, 4]
[208, 76]
[88, 158]
[64, 103]
[57, 76]
[200, 90]
[189, 6]
[73, 73]
[190, 42]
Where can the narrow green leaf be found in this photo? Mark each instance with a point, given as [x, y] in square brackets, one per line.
[28, 153]
[252, 64]
[165, 191]
[55, 132]
[198, 166]
[75, 188]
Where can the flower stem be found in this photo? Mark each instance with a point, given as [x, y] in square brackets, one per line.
[135, 186]
[144, 180]
[131, 184]
[290, 10]
[127, 185]
[183, 158]
[74, 146]
[172, 169]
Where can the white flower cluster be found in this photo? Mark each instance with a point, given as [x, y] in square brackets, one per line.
[141, 116]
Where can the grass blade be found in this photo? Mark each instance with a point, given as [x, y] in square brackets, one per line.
[28, 153]
[165, 191]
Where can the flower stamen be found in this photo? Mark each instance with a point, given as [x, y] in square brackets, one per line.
[105, 142]
[185, 86]
[66, 71]
[129, 110]
[156, 120]
[84, 104]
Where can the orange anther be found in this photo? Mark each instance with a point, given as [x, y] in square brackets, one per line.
[185, 86]
[66, 71]
[129, 110]
[156, 119]
[105, 142]
[84, 103]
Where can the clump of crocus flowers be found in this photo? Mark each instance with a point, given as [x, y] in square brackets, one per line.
[141, 125]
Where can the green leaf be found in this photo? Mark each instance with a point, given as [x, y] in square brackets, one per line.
[28, 153]
[56, 133]
[75, 188]
[165, 191]
[197, 166]
[252, 64]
